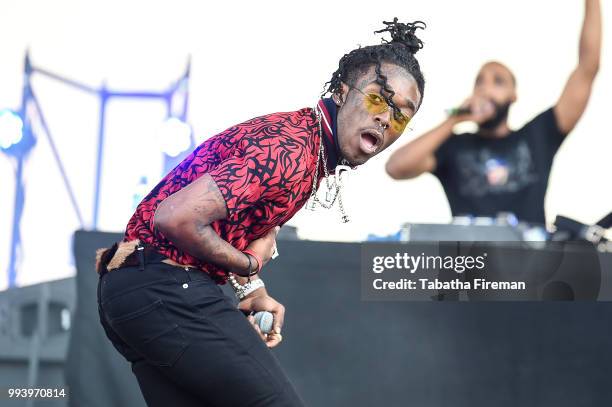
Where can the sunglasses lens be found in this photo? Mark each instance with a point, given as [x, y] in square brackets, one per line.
[375, 104]
[399, 122]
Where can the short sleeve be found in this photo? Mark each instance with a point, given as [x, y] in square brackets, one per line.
[442, 155]
[246, 178]
[544, 132]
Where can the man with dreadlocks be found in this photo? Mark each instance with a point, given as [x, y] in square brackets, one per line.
[497, 169]
[215, 218]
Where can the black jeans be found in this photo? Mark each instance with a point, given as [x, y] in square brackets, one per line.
[187, 343]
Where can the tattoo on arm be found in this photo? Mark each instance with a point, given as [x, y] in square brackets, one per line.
[185, 218]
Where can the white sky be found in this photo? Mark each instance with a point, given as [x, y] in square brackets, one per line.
[251, 58]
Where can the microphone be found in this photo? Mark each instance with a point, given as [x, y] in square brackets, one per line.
[457, 111]
[264, 320]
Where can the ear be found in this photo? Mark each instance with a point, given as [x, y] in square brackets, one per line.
[340, 96]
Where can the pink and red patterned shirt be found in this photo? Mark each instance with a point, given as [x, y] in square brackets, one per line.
[264, 169]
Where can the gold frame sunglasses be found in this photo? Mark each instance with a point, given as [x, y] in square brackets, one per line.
[376, 104]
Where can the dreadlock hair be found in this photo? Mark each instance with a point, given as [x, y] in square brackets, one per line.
[399, 51]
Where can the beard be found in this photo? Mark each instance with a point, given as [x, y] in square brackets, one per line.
[500, 115]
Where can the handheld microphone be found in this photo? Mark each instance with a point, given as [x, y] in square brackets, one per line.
[457, 111]
[264, 320]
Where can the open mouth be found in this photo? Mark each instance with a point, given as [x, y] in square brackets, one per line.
[370, 141]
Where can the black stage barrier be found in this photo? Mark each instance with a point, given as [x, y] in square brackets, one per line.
[34, 332]
[341, 351]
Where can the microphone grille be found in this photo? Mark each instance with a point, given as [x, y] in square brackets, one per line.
[264, 320]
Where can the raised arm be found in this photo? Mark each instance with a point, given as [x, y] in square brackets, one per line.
[575, 96]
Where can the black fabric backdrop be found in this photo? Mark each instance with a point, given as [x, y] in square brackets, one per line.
[341, 351]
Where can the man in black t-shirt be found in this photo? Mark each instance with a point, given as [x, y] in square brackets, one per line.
[498, 169]
[484, 176]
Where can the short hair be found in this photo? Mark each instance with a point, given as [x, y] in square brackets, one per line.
[494, 62]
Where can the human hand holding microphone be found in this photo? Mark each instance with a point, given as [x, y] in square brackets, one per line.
[264, 312]
[476, 109]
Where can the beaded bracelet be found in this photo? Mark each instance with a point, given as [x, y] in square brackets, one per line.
[242, 291]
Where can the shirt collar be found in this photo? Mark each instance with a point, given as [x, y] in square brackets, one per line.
[329, 112]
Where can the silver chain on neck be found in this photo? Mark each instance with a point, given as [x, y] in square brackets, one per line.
[334, 188]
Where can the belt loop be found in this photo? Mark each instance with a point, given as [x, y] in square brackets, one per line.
[141, 256]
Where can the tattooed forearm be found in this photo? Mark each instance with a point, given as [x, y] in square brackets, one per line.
[185, 218]
[215, 250]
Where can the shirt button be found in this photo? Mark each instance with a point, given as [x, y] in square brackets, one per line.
[185, 285]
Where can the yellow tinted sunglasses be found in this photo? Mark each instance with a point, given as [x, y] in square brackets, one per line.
[376, 104]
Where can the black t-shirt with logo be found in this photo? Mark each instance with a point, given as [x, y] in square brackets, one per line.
[483, 176]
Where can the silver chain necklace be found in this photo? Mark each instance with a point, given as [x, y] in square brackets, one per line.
[334, 188]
